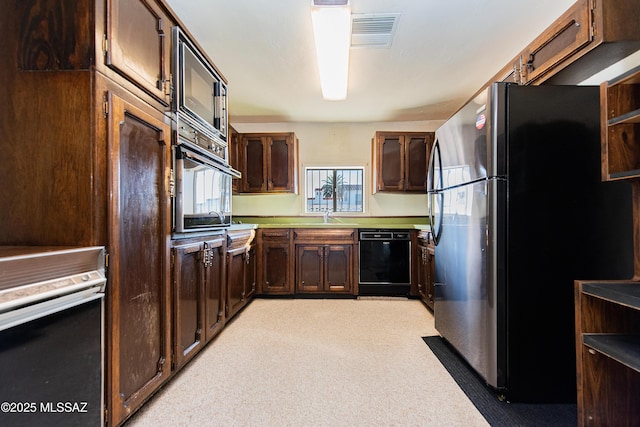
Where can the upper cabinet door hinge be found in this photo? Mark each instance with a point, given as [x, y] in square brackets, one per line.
[105, 44]
[168, 87]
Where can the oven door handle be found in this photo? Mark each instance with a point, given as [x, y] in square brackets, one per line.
[28, 313]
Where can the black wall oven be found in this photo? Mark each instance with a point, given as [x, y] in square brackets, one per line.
[202, 195]
[385, 262]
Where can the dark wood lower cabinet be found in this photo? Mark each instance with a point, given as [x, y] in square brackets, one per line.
[214, 289]
[324, 268]
[241, 271]
[198, 295]
[188, 289]
[275, 264]
[307, 261]
[425, 265]
[325, 261]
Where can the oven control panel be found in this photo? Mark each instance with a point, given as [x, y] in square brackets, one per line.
[202, 140]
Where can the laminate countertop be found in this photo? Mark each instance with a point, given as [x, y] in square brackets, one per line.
[400, 223]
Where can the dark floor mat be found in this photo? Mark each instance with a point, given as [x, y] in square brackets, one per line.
[495, 411]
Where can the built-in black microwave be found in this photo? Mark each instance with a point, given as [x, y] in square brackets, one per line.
[200, 97]
[202, 191]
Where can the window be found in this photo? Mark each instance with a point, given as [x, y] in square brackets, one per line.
[334, 190]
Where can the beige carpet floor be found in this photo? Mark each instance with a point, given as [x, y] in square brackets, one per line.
[316, 362]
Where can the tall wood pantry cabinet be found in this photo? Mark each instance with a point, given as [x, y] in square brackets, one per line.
[86, 161]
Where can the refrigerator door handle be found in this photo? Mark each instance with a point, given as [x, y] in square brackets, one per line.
[434, 188]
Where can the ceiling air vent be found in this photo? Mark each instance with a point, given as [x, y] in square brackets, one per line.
[330, 2]
[373, 29]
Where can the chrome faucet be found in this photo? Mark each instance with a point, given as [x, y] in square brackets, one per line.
[326, 215]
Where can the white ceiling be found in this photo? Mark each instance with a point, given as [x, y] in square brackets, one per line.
[443, 51]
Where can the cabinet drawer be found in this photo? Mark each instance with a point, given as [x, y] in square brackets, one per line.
[275, 234]
[239, 238]
[325, 236]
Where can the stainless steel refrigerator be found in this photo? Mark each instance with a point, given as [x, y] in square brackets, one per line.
[518, 212]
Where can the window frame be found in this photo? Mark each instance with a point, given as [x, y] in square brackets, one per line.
[309, 192]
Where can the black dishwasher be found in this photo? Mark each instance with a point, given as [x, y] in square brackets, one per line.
[51, 336]
[385, 262]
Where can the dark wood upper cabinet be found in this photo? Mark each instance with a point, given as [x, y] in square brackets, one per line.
[588, 37]
[233, 142]
[400, 161]
[563, 38]
[269, 163]
[254, 172]
[138, 44]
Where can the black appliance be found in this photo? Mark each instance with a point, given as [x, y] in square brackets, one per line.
[384, 262]
[518, 213]
[51, 336]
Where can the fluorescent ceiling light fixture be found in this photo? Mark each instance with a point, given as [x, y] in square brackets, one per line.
[332, 32]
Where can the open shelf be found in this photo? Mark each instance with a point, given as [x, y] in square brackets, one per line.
[622, 348]
[620, 121]
[625, 293]
[630, 117]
